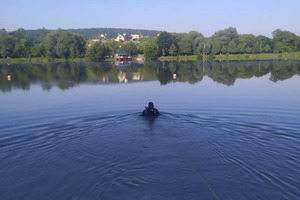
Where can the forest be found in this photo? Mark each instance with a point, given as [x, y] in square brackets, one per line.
[67, 44]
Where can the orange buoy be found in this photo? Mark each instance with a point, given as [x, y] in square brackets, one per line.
[174, 76]
[9, 77]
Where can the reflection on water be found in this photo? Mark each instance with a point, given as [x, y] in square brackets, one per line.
[210, 142]
[68, 75]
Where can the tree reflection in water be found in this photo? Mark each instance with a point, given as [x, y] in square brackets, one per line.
[68, 75]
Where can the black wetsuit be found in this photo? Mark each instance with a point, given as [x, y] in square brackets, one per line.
[150, 112]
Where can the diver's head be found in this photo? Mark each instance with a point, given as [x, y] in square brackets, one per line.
[151, 105]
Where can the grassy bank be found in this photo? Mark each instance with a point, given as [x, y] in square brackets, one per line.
[262, 56]
[43, 60]
[39, 60]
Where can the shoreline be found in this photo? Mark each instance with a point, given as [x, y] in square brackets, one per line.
[236, 57]
[223, 57]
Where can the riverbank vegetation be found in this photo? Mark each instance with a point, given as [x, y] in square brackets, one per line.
[220, 57]
[227, 44]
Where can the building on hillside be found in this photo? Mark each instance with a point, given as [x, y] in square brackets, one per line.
[120, 37]
[102, 37]
[136, 37]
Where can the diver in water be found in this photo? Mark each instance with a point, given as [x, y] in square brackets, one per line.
[150, 110]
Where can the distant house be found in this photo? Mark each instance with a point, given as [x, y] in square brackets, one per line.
[120, 37]
[122, 56]
[136, 37]
[102, 37]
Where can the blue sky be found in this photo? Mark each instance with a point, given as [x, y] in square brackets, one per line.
[259, 17]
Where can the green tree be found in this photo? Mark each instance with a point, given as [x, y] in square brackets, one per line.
[297, 43]
[232, 47]
[185, 45]
[38, 50]
[97, 51]
[226, 35]
[267, 49]
[149, 48]
[216, 47]
[248, 50]
[173, 50]
[284, 41]
[263, 41]
[21, 49]
[240, 48]
[224, 49]
[114, 45]
[64, 44]
[198, 44]
[194, 34]
[130, 48]
[19, 34]
[207, 46]
[282, 47]
[3, 32]
[247, 40]
[164, 41]
[77, 46]
[256, 48]
[7, 43]
[42, 33]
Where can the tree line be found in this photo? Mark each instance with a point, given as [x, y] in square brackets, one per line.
[66, 44]
[90, 32]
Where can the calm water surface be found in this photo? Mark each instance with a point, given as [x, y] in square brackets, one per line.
[228, 130]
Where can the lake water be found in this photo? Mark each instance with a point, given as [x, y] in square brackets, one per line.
[227, 131]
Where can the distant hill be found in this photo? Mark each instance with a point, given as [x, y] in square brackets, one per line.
[111, 32]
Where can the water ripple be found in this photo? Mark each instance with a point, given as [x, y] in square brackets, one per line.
[128, 154]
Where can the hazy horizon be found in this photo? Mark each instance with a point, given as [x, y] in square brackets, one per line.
[248, 17]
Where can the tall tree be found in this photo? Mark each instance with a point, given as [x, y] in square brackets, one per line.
[226, 35]
[297, 43]
[198, 44]
[194, 34]
[19, 34]
[3, 32]
[149, 48]
[42, 33]
[7, 43]
[97, 51]
[263, 41]
[185, 45]
[64, 44]
[216, 47]
[267, 49]
[284, 40]
[173, 50]
[232, 47]
[164, 41]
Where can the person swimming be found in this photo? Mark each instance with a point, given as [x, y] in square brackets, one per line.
[150, 110]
